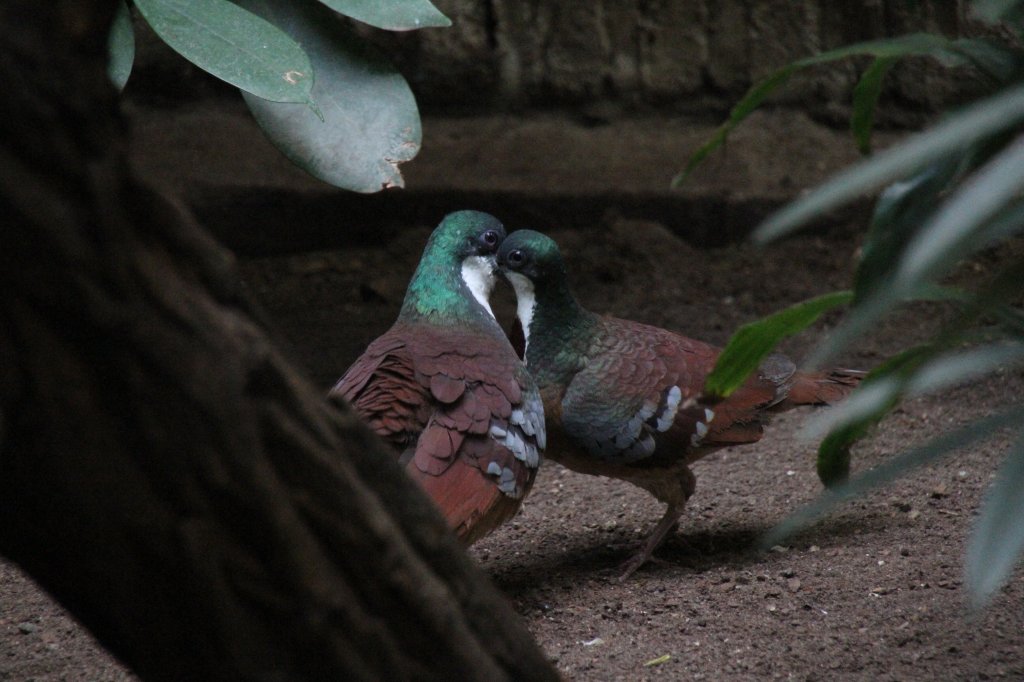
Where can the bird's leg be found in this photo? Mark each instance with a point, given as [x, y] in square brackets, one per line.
[654, 540]
[675, 495]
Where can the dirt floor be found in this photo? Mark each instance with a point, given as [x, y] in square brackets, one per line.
[873, 592]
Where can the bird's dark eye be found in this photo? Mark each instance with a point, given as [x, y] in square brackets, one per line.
[515, 258]
[490, 238]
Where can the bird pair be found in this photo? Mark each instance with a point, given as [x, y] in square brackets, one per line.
[598, 394]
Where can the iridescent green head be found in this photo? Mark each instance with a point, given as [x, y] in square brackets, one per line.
[456, 271]
[532, 255]
[547, 310]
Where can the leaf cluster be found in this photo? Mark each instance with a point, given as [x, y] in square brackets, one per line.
[330, 102]
[945, 193]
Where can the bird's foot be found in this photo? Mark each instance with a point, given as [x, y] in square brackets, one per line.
[667, 524]
[642, 556]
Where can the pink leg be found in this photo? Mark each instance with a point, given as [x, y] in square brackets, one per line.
[676, 499]
[654, 540]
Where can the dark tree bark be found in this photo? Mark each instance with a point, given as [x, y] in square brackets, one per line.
[164, 473]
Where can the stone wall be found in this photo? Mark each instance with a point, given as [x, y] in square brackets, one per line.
[687, 56]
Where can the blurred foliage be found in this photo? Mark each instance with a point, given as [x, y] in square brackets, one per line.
[330, 102]
[946, 193]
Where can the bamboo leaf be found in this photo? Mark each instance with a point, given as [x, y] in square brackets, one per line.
[994, 11]
[887, 48]
[946, 238]
[874, 398]
[233, 45]
[121, 46]
[1000, 63]
[899, 212]
[993, 115]
[746, 106]
[754, 341]
[891, 469]
[865, 98]
[392, 15]
[998, 537]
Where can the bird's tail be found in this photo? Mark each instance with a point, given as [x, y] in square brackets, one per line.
[822, 388]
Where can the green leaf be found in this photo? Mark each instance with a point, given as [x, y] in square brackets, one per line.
[865, 97]
[899, 212]
[754, 341]
[1004, 288]
[393, 15]
[233, 45]
[891, 469]
[952, 232]
[990, 116]
[121, 47]
[915, 43]
[920, 370]
[998, 537]
[750, 102]
[874, 398]
[1000, 63]
[1007, 223]
[370, 123]
[994, 11]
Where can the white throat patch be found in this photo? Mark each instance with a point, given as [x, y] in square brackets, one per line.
[478, 274]
[526, 302]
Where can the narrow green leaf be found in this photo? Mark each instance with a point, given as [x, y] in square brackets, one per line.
[1008, 222]
[880, 391]
[921, 370]
[392, 15]
[953, 369]
[994, 11]
[899, 46]
[915, 43]
[1004, 288]
[999, 62]
[121, 47]
[947, 238]
[891, 469]
[368, 122]
[754, 341]
[865, 98]
[998, 537]
[750, 102]
[990, 116]
[900, 211]
[233, 45]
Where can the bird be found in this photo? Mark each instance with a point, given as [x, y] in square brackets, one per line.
[623, 399]
[445, 388]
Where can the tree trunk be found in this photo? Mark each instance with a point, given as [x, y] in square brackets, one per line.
[164, 472]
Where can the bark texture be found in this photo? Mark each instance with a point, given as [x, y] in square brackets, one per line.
[164, 472]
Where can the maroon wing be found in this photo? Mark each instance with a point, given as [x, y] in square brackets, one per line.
[479, 453]
[465, 410]
[382, 387]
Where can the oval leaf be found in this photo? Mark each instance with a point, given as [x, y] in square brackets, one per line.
[367, 121]
[233, 45]
[393, 15]
[121, 46]
[754, 341]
